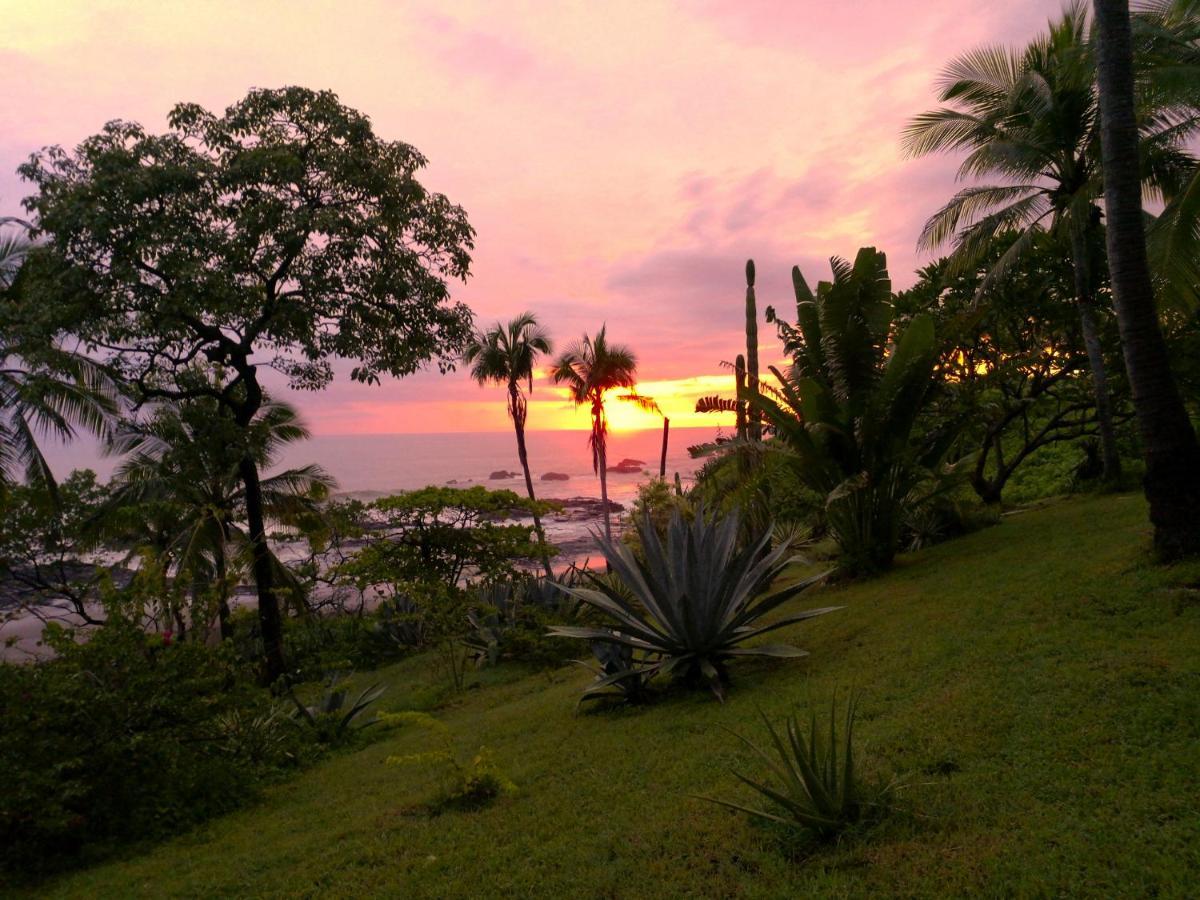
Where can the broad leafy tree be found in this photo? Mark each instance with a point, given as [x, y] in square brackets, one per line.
[1012, 372]
[1169, 443]
[507, 355]
[283, 233]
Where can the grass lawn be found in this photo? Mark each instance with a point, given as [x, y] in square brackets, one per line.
[1035, 686]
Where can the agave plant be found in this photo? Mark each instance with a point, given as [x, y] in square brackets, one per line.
[692, 603]
[494, 614]
[618, 676]
[330, 717]
[814, 785]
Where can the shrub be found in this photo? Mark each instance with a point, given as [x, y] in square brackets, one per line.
[509, 621]
[124, 736]
[692, 603]
[464, 785]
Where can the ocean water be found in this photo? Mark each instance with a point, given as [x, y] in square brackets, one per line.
[369, 465]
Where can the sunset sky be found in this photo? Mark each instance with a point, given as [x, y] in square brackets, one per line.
[619, 160]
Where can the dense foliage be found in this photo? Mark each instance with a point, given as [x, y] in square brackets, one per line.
[124, 736]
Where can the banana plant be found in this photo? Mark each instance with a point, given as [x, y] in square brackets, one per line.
[846, 409]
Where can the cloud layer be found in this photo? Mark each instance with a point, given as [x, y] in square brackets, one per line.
[620, 161]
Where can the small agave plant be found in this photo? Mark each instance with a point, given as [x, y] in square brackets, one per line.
[618, 677]
[814, 783]
[330, 717]
[693, 601]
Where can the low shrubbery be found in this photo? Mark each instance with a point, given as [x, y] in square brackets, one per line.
[127, 736]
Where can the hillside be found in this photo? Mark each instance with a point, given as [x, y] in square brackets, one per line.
[1035, 687]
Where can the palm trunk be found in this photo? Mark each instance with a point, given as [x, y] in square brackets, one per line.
[516, 408]
[1084, 299]
[1172, 454]
[602, 456]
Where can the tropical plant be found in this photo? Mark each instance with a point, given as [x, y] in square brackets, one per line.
[1010, 367]
[814, 782]
[179, 491]
[848, 406]
[1029, 116]
[1165, 37]
[330, 718]
[44, 390]
[691, 603]
[617, 677]
[281, 233]
[507, 354]
[590, 368]
[1172, 482]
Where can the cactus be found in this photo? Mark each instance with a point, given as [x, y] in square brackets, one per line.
[753, 421]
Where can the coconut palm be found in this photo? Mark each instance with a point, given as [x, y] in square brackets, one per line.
[506, 355]
[180, 488]
[1029, 118]
[1166, 58]
[590, 368]
[1172, 482]
[44, 391]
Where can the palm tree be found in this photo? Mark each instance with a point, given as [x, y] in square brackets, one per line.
[1029, 117]
[506, 355]
[180, 488]
[590, 368]
[46, 390]
[1166, 52]
[1172, 483]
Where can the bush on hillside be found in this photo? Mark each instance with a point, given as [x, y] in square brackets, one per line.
[127, 736]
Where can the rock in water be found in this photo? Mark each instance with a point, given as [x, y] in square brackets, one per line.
[556, 476]
[502, 474]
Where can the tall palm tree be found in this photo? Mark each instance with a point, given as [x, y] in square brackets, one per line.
[590, 368]
[180, 489]
[1166, 55]
[506, 354]
[45, 390]
[1029, 117]
[1169, 443]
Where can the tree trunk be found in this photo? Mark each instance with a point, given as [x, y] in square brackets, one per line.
[517, 409]
[269, 618]
[604, 492]
[1169, 444]
[222, 573]
[662, 465]
[1082, 264]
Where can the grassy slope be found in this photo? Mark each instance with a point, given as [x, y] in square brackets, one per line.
[1036, 686]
